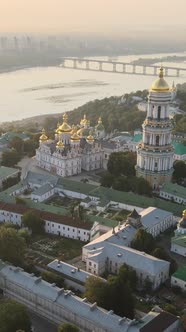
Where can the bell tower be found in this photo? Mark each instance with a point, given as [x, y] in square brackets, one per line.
[155, 153]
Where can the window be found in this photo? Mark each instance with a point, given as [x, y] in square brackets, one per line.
[159, 112]
[58, 226]
[63, 227]
[52, 225]
[90, 263]
[68, 229]
[157, 140]
[73, 230]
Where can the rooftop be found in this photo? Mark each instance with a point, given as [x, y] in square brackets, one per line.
[71, 271]
[180, 273]
[152, 216]
[174, 188]
[134, 258]
[180, 240]
[7, 172]
[179, 148]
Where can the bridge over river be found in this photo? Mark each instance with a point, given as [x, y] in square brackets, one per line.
[119, 67]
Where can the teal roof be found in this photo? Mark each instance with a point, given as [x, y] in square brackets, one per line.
[99, 127]
[175, 189]
[137, 138]
[179, 240]
[180, 273]
[7, 172]
[179, 148]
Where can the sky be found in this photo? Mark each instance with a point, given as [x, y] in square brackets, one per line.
[61, 16]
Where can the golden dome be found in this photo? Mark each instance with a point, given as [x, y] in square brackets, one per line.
[84, 121]
[184, 214]
[64, 128]
[43, 137]
[90, 138]
[75, 137]
[160, 85]
[60, 144]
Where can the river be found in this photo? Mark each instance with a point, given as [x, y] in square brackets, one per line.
[46, 90]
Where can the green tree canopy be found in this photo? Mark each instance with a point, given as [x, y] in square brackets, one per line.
[33, 222]
[143, 241]
[179, 170]
[10, 158]
[17, 144]
[121, 163]
[66, 327]
[12, 245]
[13, 317]
[115, 294]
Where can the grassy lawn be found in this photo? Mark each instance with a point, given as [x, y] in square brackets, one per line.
[56, 247]
[122, 215]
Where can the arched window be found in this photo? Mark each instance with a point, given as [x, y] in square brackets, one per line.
[157, 140]
[159, 112]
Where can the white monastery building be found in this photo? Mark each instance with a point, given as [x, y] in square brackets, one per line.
[72, 150]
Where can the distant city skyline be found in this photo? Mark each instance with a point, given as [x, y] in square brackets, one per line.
[105, 16]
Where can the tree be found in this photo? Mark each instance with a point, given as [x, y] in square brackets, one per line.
[53, 278]
[171, 308]
[30, 146]
[12, 246]
[121, 163]
[179, 170]
[143, 241]
[162, 254]
[147, 284]
[107, 180]
[66, 327]
[95, 290]
[33, 222]
[17, 144]
[10, 158]
[13, 317]
[11, 181]
[115, 294]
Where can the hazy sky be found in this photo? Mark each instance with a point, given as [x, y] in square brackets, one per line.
[93, 15]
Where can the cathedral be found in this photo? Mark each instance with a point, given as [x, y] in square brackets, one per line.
[74, 148]
[155, 152]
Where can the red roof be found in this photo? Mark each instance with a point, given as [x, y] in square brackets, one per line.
[47, 216]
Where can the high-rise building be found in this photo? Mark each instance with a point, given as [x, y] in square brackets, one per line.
[155, 153]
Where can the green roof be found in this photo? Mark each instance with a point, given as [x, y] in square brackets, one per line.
[136, 200]
[180, 273]
[137, 138]
[179, 240]
[77, 186]
[179, 148]
[174, 188]
[7, 172]
[103, 221]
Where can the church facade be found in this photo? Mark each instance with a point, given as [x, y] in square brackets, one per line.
[73, 149]
[155, 153]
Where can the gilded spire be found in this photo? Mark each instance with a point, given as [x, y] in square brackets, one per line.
[43, 137]
[161, 72]
[65, 128]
